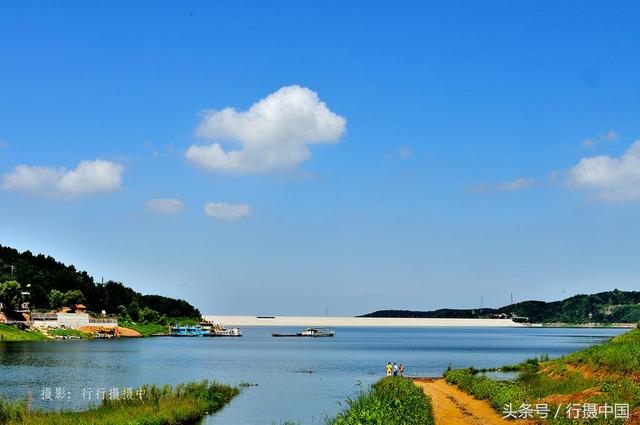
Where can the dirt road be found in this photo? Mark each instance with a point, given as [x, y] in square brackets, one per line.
[451, 406]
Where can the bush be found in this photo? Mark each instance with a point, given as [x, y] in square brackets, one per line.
[390, 401]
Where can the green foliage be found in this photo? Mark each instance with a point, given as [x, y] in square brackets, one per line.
[69, 332]
[182, 405]
[606, 370]
[73, 297]
[605, 307]
[10, 333]
[147, 315]
[145, 329]
[10, 295]
[390, 401]
[45, 274]
[620, 355]
[56, 299]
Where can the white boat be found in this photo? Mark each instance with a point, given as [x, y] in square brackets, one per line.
[310, 332]
[215, 329]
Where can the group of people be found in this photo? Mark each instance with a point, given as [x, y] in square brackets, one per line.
[395, 369]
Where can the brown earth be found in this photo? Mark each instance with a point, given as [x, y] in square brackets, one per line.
[120, 331]
[452, 406]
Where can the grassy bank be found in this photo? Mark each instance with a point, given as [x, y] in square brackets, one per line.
[390, 401]
[182, 405]
[10, 333]
[69, 333]
[145, 329]
[607, 373]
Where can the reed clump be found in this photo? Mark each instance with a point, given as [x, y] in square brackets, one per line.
[148, 405]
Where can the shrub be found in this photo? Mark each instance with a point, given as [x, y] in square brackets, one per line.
[390, 401]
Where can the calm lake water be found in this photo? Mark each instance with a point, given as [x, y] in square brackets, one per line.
[298, 379]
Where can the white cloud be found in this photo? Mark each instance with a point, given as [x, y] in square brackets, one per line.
[405, 152]
[164, 205]
[225, 211]
[273, 134]
[89, 177]
[612, 179]
[517, 184]
[607, 136]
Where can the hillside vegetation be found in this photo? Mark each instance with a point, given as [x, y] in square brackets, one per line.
[602, 374]
[54, 284]
[605, 307]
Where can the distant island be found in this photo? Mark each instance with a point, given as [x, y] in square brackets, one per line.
[605, 307]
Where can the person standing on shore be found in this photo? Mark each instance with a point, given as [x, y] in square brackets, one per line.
[388, 368]
[402, 370]
[395, 369]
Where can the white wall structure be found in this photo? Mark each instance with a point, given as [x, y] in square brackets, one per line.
[70, 320]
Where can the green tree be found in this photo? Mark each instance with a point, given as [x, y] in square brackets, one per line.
[122, 312]
[56, 299]
[134, 309]
[148, 315]
[10, 295]
[73, 297]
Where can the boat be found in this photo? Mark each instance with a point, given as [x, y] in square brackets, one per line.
[187, 331]
[215, 329]
[310, 333]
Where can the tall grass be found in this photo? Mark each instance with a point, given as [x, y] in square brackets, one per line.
[606, 373]
[150, 405]
[390, 401]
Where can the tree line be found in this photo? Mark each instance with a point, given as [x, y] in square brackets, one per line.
[55, 285]
[605, 307]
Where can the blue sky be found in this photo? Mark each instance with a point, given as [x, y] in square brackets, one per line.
[383, 155]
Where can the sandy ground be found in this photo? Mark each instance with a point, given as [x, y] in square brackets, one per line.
[451, 406]
[309, 321]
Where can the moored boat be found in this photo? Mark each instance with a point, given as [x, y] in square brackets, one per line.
[310, 333]
[215, 329]
[187, 331]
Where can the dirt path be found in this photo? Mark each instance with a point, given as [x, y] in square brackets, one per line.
[452, 406]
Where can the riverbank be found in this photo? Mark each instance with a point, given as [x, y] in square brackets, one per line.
[599, 376]
[319, 321]
[150, 405]
[11, 333]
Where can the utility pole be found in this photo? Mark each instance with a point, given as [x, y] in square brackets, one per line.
[511, 299]
[481, 302]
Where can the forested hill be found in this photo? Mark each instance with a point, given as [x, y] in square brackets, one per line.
[54, 284]
[606, 307]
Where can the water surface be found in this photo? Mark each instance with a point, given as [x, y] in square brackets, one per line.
[298, 379]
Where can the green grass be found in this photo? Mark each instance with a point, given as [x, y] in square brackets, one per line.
[145, 330]
[69, 332]
[606, 373]
[10, 333]
[390, 401]
[182, 405]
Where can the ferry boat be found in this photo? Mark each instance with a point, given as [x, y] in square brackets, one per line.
[187, 331]
[310, 333]
[214, 329]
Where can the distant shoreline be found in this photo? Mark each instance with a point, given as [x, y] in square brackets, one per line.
[322, 321]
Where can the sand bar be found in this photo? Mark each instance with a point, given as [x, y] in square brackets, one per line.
[320, 321]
